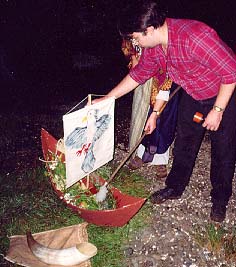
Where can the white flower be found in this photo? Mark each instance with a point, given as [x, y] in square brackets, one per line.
[67, 196]
[53, 165]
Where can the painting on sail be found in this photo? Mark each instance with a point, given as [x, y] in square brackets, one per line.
[89, 139]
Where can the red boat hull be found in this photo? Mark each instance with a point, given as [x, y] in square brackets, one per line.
[127, 206]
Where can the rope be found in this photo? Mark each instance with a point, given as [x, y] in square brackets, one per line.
[52, 161]
[81, 103]
[48, 161]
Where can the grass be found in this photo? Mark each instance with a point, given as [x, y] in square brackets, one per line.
[28, 202]
[217, 239]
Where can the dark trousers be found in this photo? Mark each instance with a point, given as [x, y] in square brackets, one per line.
[188, 141]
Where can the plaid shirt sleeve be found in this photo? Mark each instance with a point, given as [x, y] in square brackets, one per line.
[147, 67]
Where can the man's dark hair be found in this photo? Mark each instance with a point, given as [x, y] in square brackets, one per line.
[138, 15]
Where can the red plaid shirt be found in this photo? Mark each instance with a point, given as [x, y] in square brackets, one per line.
[197, 59]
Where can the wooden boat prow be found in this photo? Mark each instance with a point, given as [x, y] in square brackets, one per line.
[127, 206]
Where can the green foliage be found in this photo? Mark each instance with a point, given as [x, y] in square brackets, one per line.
[128, 182]
[215, 236]
[78, 194]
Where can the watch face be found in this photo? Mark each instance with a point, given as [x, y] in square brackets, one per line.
[218, 109]
[157, 112]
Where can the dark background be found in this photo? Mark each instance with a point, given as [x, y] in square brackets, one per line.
[55, 52]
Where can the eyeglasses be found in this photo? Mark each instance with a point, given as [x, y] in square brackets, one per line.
[134, 42]
[130, 37]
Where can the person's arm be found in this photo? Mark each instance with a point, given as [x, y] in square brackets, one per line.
[161, 98]
[221, 61]
[152, 120]
[123, 88]
[214, 117]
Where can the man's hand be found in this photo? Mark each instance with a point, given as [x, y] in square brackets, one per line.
[99, 99]
[214, 117]
[212, 120]
[151, 123]
[124, 87]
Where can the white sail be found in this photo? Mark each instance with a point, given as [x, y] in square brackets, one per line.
[89, 139]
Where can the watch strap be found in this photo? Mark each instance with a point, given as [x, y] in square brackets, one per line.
[157, 112]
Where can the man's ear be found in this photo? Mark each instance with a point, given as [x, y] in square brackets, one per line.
[150, 30]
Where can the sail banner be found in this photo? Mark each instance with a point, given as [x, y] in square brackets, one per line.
[89, 139]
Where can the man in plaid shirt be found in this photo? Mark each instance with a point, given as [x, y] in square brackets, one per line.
[193, 56]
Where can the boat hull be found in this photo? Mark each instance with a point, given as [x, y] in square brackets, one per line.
[126, 206]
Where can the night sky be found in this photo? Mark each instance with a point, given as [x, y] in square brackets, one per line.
[58, 51]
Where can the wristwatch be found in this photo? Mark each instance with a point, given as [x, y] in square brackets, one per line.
[218, 109]
[157, 112]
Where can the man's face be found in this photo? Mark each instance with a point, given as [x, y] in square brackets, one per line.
[143, 39]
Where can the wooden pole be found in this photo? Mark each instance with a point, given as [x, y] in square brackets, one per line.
[89, 103]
